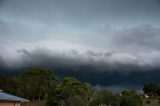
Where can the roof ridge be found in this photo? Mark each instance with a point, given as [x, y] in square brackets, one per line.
[10, 97]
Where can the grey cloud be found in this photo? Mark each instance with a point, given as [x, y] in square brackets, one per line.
[137, 46]
[37, 19]
[4, 29]
[84, 12]
[105, 36]
[1, 2]
[143, 36]
[110, 62]
[97, 68]
[2, 63]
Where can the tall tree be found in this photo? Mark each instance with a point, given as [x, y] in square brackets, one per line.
[105, 97]
[70, 89]
[7, 84]
[130, 98]
[151, 89]
[37, 83]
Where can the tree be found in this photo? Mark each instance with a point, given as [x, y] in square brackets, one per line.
[70, 89]
[7, 84]
[130, 98]
[105, 97]
[36, 83]
[129, 92]
[158, 91]
[151, 89]
[76, 101]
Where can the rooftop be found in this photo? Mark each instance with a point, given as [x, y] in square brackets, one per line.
[9, 97]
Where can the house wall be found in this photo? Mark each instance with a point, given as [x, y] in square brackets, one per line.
[6, 103]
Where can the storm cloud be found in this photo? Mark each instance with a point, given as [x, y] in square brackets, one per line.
[117, 42]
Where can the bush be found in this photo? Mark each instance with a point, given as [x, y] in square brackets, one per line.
[148, 101]
[130, 101]
[76, 101]
[130, 98]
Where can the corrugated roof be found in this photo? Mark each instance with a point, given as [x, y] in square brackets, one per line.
[9, 97]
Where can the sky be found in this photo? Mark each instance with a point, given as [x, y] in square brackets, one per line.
[115, 40]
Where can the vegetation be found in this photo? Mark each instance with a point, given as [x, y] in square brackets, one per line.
[36, 83]
[130, 98]
[70, 90]
[33, 84]
[42, 84]
[7, 84]
[105, 97]
[152, 89]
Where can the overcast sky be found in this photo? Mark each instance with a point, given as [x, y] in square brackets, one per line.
[121, 35]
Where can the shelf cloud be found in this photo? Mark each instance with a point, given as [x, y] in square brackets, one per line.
[113, 40]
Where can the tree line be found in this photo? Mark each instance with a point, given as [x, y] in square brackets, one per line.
[43, 84]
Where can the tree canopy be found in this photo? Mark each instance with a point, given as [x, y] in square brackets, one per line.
[70, 89]
[36, 83]
[42, 84]
[152, 89]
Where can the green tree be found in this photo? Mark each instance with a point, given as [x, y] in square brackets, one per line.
[70, 89]
[105, 97]
[158, 91]
[76, 101]
[151, 89]
[8, 85]
[130, 98]
[36, 83]
[129, 92]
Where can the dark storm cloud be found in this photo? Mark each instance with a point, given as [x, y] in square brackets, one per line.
[102, 61]
[129, 49]
[84, 12]
[1, 2]
[3, 28]
[87, 67]
[142, 37]
[100, 41]
[39, 19]
[2, 63]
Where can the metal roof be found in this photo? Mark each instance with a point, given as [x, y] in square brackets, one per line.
[9, 97]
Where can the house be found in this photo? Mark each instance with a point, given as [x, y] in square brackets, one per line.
[10, 100]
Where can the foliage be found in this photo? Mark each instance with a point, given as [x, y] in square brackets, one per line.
[41, 84]
[36, 83]
[8, 85]
[129, 92]
[76, 101]
[105, 97]
[68, 90]
[130, 98]
[148, 102]
[152, 89]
